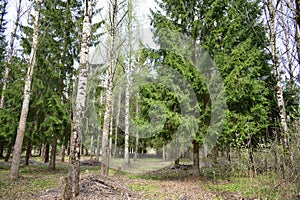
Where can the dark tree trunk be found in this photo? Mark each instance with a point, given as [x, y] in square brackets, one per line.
[68, 149]
[177, 161]
[62, 153]
[47, 149]
[1, 151]
[53, 152]
[195, 154]
[28, 151]
[9, 150]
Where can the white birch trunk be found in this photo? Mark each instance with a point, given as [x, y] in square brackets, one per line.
[109, 90]
[128, 85]
[277, 72]
[117, 125]
[111, 131]
[14, 171]
[78, 114]
[10, 53]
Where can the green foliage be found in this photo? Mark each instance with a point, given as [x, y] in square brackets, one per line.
[233, 34]
[51, 98]
[10, 114]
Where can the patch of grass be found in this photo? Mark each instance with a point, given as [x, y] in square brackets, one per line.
[262, 187]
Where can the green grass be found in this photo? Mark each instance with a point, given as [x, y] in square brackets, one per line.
[261, 186]
[34, 179]
[37, 178]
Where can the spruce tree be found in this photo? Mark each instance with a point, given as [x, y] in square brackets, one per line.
[233, 34]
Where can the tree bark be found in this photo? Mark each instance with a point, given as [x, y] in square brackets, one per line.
[14, 171]
[196, 154]
[46, 154]
[10, 52]
[42, 153]
[28, 151]
[76, 136]
[128, 85]
[111, 131]
[1, 151]
[53, 152]
[63, 153]
[99, 132]
[279, 89]
[109, 90]
[9, 150]
[91, 147]
[117, 125]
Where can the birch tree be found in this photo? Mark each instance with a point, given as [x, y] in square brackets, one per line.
[128, 83]
[117, 124]
[272, 8]
[99, 132]
[76, 136]
[14, 171]
[113, 20]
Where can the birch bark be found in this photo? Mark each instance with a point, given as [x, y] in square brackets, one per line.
[277, 72]
[14, 170]
[76, 136]
[109, 90]
[128, 85]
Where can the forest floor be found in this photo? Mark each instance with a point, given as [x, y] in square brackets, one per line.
[165, 183]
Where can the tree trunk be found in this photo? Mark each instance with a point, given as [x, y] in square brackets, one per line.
[74, 159]
[196, 155]
[53, 152]
[117, 125]
[279, 89]
[99, 132]
[111, 131]
[14, 171]
[1, 151]
[128, 85]
[28, 151]
[10, 52]
[47, 151]
[109, 90]
[91, 147]
[63, 153]
[42, 153]
[9, 150]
